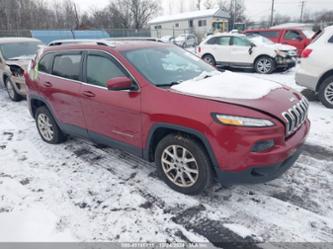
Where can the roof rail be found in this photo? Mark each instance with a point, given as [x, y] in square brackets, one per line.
[71, 42]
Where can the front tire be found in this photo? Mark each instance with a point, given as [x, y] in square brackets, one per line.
[183, 164]
[326, 92]
[265, 65]
[12, 94]
[47, 127]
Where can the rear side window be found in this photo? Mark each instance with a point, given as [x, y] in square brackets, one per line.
[100, 69]
[330, 40]
[45, 64]
[269, 34]
[222, 40]
[67, 66]
[212, 41]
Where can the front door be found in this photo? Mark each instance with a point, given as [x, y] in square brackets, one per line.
[112, 117]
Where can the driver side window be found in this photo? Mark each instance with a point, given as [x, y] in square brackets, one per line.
[100, 69]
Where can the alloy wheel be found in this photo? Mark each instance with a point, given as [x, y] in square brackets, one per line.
[264, 66]
[180, 166]
[45, 127]
[329, 93]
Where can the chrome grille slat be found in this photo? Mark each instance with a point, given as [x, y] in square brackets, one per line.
[296, 116]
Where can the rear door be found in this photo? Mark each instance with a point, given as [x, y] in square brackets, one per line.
[219, 47]
[240, 52]
[60, 84]
[111, 116]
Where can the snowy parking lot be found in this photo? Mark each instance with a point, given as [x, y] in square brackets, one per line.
[79, 191]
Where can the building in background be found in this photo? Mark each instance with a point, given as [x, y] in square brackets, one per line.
[197, 22]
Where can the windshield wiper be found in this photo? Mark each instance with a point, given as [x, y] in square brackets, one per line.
[170, 84]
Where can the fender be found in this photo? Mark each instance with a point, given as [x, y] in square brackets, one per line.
[195, 133]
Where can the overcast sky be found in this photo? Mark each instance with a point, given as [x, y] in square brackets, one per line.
[255, 9]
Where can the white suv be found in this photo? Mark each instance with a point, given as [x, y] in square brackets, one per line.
[253, 51]
[315, 71]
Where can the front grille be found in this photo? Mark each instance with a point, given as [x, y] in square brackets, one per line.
[296, 116]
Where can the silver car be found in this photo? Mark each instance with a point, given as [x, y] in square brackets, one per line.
[15, 56]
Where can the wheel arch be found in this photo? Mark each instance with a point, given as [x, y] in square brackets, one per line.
[323, 78]
[160, 131]
[207, 54]
[262, 55]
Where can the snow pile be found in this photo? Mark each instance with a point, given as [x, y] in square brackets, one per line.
[228, 85]
[27, 223]
[31, 225]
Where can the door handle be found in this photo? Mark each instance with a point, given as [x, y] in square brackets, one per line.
[89, 94]
[47, 84]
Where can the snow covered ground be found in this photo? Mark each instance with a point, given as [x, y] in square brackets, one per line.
[78, 191]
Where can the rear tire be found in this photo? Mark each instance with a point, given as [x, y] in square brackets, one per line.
[209, 59]
[265, 65]
[47, 127]
[183, 164]
[12, 94]
[326, 92]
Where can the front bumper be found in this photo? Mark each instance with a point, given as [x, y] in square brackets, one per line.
[286, 62]
[261, 174]
[238, 164]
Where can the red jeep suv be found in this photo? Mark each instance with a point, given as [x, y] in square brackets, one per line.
[166, 105]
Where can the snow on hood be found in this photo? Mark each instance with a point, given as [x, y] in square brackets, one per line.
[227, 85]
[284, 47]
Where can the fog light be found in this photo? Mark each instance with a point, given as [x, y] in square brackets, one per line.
[263, 146]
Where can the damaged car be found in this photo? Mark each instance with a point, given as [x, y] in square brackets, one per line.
[15, 55]
[247, 52]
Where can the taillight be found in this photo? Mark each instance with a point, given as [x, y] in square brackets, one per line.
[199, 49]
[306, 53]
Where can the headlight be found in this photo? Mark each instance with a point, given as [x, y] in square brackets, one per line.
[281, 53]
[242, 121]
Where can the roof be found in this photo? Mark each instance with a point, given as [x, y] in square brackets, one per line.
[190, 15]
[17, 40]
[293, 25]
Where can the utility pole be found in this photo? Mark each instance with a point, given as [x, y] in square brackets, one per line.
[302, 10]
[272, 13]
[233, 9]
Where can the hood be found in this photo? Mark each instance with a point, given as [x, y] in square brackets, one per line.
[251, 92]
[279, 46]
[22, 63]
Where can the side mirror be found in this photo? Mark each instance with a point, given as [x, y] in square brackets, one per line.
[120, 84]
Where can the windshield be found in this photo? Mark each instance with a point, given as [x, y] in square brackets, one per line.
[15, 51]
[258, 39]
[166, 66]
